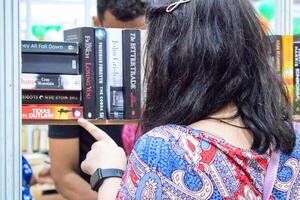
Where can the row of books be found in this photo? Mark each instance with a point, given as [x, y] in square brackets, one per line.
[51, 81]
[96, 74]
[285, 56]
[111, 63]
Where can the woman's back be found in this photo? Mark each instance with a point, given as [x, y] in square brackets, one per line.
[203, 56]
[177, 162]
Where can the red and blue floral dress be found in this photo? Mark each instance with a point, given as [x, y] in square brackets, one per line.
[177, 162]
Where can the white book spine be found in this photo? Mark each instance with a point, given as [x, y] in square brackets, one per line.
[115, 98]
[143, 66]
[51, 82]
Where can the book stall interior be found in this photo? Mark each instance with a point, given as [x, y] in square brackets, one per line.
[71, 69]
[56, 85]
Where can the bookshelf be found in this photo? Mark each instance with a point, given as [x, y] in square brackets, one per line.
[95, 122]
[74, 122]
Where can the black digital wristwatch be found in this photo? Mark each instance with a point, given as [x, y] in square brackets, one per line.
[98, 177]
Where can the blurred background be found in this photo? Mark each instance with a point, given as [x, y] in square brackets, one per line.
[46, 19]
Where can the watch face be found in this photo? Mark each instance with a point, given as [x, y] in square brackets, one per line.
[96, 178]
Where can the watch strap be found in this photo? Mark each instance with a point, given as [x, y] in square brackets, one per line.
[107, 173]
[100, 174]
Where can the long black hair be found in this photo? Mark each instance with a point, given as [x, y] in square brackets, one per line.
[207, 54]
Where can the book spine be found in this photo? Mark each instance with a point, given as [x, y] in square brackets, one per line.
[50, 63]
[86, 38]
[278, 54]
[48, 112]
[50, 97]
[50, 82]
[115, 74]
[143, 67]
[101, 66]
[49, 47]
[297, 75]
[275, 52]
[36, 140]
[287, 64]
[131, 78]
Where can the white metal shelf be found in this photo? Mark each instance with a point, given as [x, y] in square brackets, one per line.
[10, 102]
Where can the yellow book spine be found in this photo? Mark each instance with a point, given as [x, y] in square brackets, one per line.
[288, 64]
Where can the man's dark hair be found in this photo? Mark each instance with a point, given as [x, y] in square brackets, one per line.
[123, 10]
[207, 54]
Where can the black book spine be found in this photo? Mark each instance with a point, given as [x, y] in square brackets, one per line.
[50, 63]
[132, 73]
[49, 47]
[101, 79]
[297, 75]
[51, 97]
[86, 38]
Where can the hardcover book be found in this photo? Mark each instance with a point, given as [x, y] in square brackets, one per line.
[101, 66]
[132, 73]
[49, 47]
[288, 64]
[143, 66]
[85, 36]
[50, 82]
[51, 97]
[50, 63]
[276, 52]
[115, 96]
[297, 75]
[51, 112]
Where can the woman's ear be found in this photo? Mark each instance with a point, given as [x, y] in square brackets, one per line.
[96, 22]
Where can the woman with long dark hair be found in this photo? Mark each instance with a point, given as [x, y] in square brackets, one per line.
[217, 122]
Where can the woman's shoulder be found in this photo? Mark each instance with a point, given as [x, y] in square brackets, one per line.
[288, 176]
[158, 136]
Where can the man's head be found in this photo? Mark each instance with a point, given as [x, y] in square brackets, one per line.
[120, 13]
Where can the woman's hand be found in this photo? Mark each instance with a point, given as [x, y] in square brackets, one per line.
[105, 153]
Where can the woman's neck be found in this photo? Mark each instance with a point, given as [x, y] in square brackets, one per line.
[227, 128]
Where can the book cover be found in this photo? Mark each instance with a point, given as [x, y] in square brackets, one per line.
[288, 64]
[49, 47]
[114, 87]
[101, 66]
[51, 112]
[132, 73]
[85, 36]
[50, 63]
[51, 97]
[50, 82]
[276, 52]
[297, 75]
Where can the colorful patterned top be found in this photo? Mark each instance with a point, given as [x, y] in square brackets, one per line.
[26, 179]
[176, 162]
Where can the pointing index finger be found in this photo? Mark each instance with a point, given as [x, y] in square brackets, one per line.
[97, 133]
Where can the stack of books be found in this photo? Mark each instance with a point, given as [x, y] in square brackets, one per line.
[51, 81]
[112, 69]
